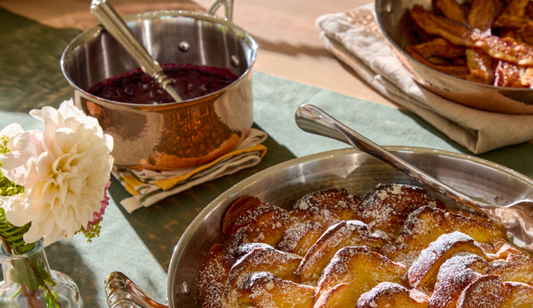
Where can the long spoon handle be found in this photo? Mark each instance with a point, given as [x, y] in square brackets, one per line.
[313, 120]
[115, 25]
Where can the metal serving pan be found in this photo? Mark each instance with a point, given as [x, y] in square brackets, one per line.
[396, 24]
[284, 183]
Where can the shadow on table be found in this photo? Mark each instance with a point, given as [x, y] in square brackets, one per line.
[66, 259]
[161, 225]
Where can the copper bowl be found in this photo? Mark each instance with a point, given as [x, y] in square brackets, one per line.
[397, 26]
[285, 183]
[173, 135]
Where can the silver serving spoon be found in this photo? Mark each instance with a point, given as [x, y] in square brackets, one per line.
[517, 216]
[115, 25]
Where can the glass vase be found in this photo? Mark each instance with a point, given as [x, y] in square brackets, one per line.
[29, 282]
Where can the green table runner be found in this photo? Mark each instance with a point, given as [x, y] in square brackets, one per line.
[141, 244]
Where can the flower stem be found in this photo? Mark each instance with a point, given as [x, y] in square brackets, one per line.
[43, 283]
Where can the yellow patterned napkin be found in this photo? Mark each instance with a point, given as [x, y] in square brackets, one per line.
[149, 187]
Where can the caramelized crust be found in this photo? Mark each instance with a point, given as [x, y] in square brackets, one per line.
[240, 208]
[212, 279]
[252, 211]
[516, 268]
[521, 296]
[300, 237]
[508, 75]
[457, 33]
[480, 65]
[484, 292]
[423, 272]
[361, 270]
[454, 276]
[388, 294]
[327, 207]
[387, 207]
[422, 227]
[346, 233]
[267, 259]
[263, 289]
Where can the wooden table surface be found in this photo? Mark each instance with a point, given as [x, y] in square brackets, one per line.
[289, 43]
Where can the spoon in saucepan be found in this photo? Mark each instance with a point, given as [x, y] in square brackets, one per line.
[516, 217]
[115, 25]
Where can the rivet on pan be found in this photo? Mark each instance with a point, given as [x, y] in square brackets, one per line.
[388, 7]
[234, 60]
[184, 46]
[185, 287]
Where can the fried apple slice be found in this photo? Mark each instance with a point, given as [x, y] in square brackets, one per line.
[526, 32]
[459, 71]
[423, 272]
[439, 47]
[480, 65]
[387, 206]
[483, 13]
[454, 276]
[457, 33]
[264, 290]
[346, 233]
[388, 294]
[513, 15]
[300, 237]
[359, 269]
[451, 9]
[327, 206]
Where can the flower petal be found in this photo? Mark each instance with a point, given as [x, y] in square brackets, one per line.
[14, 166]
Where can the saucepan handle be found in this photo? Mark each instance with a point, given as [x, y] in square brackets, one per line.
[228, 6]
[121, 292]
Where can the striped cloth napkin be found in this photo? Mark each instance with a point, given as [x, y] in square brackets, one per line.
[149, 187]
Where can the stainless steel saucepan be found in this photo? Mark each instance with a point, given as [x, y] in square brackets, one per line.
[284, 183]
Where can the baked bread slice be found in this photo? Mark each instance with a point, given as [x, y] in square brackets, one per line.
[359, 269]
[423, 272]
[388, 295]
[387, 206]
[346, 233]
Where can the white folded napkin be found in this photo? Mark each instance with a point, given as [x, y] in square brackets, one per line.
[149, 187]
[355, 38]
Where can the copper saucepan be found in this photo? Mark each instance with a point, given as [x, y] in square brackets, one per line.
[173, 135]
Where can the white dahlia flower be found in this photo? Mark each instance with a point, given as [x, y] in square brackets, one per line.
[64, 170]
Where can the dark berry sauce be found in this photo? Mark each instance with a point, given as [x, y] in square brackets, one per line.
[189, 80]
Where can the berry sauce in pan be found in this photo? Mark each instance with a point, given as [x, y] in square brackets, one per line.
[189, 80]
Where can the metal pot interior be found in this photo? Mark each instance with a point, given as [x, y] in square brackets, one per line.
[349, 169]
[169, 37]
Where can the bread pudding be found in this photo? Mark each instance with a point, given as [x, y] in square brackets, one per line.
[394, 246]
